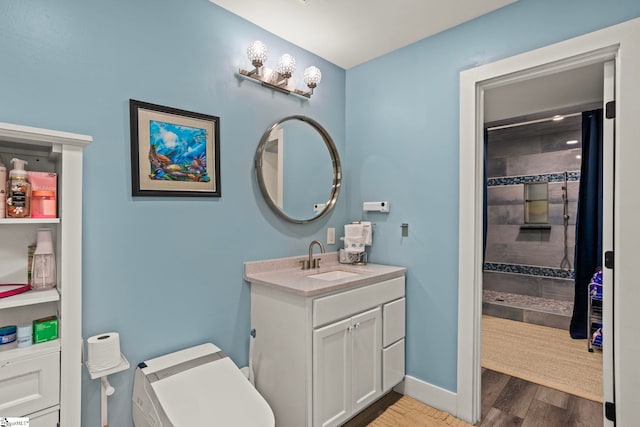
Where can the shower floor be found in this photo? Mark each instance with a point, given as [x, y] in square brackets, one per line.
[524, 308]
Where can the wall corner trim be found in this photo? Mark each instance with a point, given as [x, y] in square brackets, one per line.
[429, 394]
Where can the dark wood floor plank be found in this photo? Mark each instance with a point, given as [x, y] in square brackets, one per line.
[496, 418]
[542, 414]
[584, 413]
[492, 385]
[552, 397]
[516, 397]
[547, 407]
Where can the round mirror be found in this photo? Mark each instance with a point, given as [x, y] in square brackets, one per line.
[298, 169]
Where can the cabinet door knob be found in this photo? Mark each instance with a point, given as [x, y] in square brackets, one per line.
[349, 328]
[357, 325]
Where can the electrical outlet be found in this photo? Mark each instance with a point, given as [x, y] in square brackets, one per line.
[331, 236]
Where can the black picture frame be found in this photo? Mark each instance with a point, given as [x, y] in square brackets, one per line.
[174, 153]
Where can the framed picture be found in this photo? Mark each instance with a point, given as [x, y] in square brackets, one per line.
[174, 152]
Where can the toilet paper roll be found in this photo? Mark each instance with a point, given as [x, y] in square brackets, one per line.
[103, 351]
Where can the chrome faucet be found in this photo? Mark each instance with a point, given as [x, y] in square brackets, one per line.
[312, 262]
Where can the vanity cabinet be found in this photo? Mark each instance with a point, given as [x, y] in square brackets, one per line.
[43, 381]
[320, 359]
[347, 367]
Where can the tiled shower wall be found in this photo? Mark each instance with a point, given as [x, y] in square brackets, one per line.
[517, 259]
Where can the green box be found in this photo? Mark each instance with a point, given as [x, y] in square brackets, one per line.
[45, 329]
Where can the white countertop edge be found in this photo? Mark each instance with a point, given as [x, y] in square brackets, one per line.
[291, 278]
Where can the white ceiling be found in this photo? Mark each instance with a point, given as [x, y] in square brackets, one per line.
[350, 32]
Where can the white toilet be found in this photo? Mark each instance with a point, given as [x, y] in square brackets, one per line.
[198, 386]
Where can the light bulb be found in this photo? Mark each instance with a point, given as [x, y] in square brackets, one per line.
[312, 76]
[286, 65]
[257, 53]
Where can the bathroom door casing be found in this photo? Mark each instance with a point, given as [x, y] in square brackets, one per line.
[620, 44]
[608, 177]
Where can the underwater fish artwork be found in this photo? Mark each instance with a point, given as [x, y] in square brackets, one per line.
[164, 159]
[177, 152]
[197, 164]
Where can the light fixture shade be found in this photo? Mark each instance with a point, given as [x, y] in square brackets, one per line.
[257, 53]
[312, 76]
[286, 65]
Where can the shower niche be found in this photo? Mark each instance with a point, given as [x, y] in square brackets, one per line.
[536, 203]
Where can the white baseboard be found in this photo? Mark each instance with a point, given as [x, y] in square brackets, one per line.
[429, 394]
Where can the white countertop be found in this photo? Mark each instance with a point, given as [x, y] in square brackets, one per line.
[286, 274]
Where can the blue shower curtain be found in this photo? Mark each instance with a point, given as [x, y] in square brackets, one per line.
[588, 249]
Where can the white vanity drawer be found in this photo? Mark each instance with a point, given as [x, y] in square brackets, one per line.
[29, 384]
[338, 306]
[393, 321]
[392, 365]
[47, 418]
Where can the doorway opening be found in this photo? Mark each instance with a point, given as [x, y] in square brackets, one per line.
[530, 363]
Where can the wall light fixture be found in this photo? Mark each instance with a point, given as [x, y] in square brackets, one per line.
[278, 79]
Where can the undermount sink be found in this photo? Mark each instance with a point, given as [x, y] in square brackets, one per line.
[333, 275]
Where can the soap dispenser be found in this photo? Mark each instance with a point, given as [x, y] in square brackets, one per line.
[18, 191]
[43, 270]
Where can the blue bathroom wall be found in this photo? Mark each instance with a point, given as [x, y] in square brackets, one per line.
[402, 146]
[164, 272]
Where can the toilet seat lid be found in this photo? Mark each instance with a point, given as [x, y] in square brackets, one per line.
[201, 386]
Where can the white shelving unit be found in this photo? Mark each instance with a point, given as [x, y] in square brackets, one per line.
[30, 298]
[54, 367]
[29, 220]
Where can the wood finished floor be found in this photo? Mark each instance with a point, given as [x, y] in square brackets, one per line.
[511, 401]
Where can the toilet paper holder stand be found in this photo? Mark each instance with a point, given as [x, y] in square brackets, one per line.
[106, 389]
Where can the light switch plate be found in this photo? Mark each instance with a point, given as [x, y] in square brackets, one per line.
[331, 236]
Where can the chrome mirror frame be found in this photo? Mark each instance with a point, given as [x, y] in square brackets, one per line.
[335, 161]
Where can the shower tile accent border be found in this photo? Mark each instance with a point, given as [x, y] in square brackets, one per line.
[531, 270]
[525, 179]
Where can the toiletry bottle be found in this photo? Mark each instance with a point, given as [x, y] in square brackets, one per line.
[18, 191]
[3, 190]
[43, 270]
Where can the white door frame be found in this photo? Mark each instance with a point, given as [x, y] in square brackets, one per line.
[622, 44]
[608, 191]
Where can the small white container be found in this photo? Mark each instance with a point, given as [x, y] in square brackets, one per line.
[25, 335]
